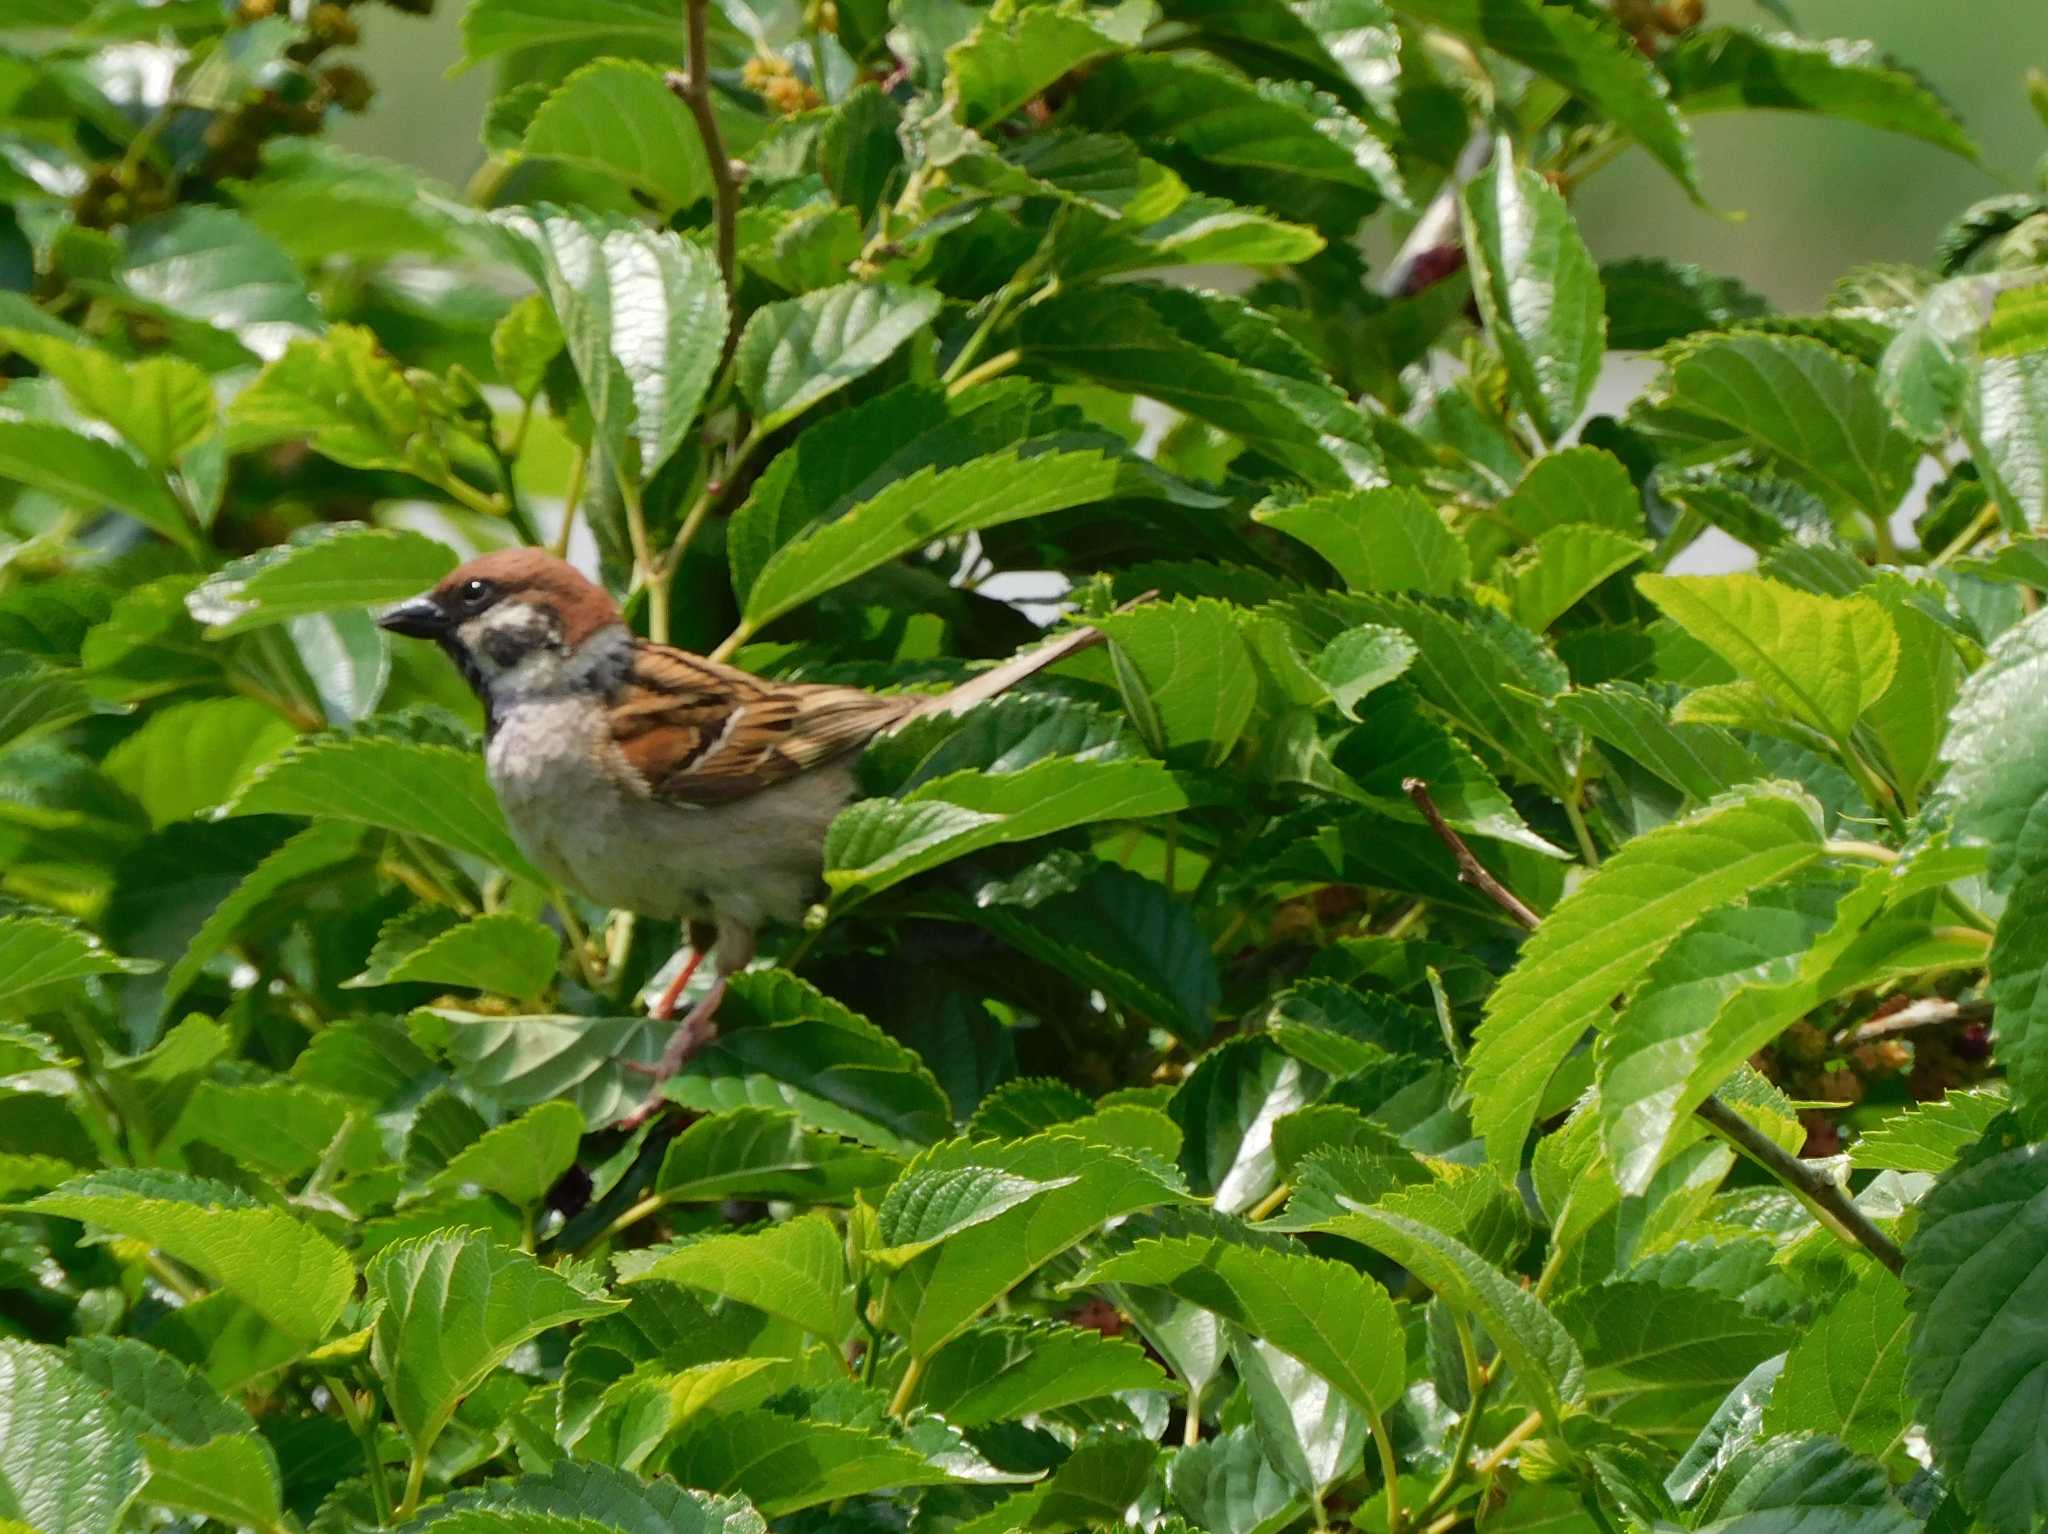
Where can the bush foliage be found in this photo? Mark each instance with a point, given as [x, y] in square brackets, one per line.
[1167, 1119]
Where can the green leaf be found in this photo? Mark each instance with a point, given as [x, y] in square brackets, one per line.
[881, 842]
[1698, 760]
[161, 405]
[784, 1463]
[643, 315]
[998, 1370]
[927, 1205]
[922, 507]
[1124, 935]
[437, 792]
[1997, 763]
[2019, 968]
[798, 352]
[575, 1491]
[314, 850]
[1189, 663]
[454, 1305]
[795, 1270]
[189, 757]
[618, 118]
[1094, 1486]
[208, 264]
[519, 1061]
[40, 951]
[2005, 418]
[1226, 1108]
[519, 1160]
[283, 1269]
[1802, 1483]
[1929, 1137]
[1385, 539]
[1824, 660]
[1231, 1482]
[203, 1452]
[281, 1127]
[936, 1296]
[1360, 661]
[753, 1152]
[1545, 1359]
[1977, 1258]
[1591, 58]
[635, 1417]
[1333, 1319]
[523, 343]
[1605, 935]
[348, 399]
[1651, 302]
[1273, 142]
[641, 27]
[1846, 1375]
[1487, 674]
[90, 474]
[321, 568]
[1722, 69]
[1218, 363]
[1200, 231]
[1685, 1028]
[67, 1458]
[36, 696]
[1538, 290]
[1562, 567]
[1002, 64]
[502, 953]
[1817, 412]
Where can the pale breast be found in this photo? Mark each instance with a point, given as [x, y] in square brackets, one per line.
[578, 814]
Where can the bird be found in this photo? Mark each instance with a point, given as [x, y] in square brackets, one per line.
[653, 780]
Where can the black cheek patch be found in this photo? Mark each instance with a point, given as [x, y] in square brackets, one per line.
[507, 648]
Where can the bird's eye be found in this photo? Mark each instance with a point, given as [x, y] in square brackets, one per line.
[472, 592]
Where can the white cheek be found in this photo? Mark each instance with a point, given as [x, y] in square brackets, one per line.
[514, 646]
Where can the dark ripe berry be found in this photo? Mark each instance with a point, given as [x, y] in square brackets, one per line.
[570, 1193]
[1431, 267]
[1973, 1043]
[349, 86]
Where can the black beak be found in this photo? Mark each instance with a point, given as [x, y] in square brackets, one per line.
[416, 617]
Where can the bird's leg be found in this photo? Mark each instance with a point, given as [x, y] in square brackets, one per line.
[698, 1028]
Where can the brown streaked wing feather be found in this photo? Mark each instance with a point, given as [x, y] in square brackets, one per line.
[697, 732]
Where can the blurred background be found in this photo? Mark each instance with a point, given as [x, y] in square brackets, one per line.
[1811, 198]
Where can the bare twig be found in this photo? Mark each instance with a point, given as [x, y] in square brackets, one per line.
[694, 90]
[1925, 1015]
[1470, 870]
[1827, 1199]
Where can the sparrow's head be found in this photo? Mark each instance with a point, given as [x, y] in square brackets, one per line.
[517, 619]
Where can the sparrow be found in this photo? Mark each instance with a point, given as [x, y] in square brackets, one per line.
[649, 779]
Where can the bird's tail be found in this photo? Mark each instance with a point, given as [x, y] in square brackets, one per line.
[1001, 678]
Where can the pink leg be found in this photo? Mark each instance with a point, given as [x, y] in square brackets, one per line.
[697, 1029]
[666, 1007]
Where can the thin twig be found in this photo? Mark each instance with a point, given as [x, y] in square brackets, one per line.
[694, 90]
[1827, 1199]
[1821, 1193]
[1470, 870]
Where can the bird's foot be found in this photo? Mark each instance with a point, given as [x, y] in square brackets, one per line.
[697, 1029]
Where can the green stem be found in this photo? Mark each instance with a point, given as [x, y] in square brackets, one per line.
[995, 367]
[899, 1403]
[646, 573]
[1389, 1471]
[1476, 1381]
[1269, 1203]
[741, 633]
[1191, 1430]
[1588, 853]
[572, 502]
[415, 1482]
[700, 509]
[366, 1435]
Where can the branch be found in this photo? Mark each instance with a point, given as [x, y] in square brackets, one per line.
[1828, 1200]
[1928, 1014]
[1470, 870]
[694, 90]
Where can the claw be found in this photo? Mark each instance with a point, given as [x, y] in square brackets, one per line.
[695, 1031]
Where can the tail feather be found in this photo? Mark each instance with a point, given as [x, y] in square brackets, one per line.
[1001, 678]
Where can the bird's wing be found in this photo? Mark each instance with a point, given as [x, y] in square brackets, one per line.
[697, 732]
